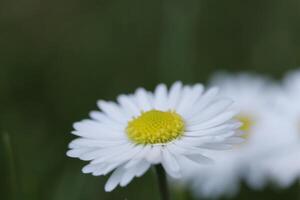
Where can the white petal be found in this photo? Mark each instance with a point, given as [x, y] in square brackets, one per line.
[104, 119]
[100, 153]
[126, 155]
[76, 153]
[198, 158]
[160, 97]
[174, 95]
[217, 146]
[143, 99]
[127, 177]
[108, 169]
[128, 105]
[198, 141]
[181, 149]
[82, 142]
[220, 119]
[138, 170]
[191, 98]
[92, 168]
[185, 99]
[194, 141]
[114, 179]
[113, 111]
[98, 116]
[203, 102]
[138, 157]
[170, 164]
[117, 156]
[224, 128]
[234, 140]
[212, 111]
[154, 155]
[93, 129]
[142, 169]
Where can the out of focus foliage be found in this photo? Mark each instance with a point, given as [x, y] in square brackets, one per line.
[58, 57]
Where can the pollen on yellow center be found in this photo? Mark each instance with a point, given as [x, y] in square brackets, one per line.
[155, 127]
[248, 122]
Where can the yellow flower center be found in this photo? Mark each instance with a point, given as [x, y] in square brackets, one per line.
[155, 127]
[248, 122]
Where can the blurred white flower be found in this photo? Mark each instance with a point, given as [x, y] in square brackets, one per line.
[143, 129]
[283, 163]
[251, 95]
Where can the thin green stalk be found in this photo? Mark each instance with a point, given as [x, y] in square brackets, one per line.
[162, 183]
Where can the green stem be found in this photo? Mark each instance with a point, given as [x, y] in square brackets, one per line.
[162, 182]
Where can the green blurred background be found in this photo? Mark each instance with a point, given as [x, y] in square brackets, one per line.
[58, 57]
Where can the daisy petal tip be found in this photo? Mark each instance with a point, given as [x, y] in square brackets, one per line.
[75, 133]
[123, 184]
[85, 158]
[179, 83]
[140, 90]
[76, 126]
[109, 187]
[101, 103]
[86, 170]
[79, 125]
[93, 113]
[71, 145]
[71, 154]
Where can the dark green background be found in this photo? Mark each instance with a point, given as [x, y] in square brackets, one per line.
[58, 57]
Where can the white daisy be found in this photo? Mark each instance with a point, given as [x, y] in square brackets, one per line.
[283, 166]
[144, 129]
[249, 93]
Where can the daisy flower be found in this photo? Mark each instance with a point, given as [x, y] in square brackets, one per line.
[283, 166]
[167, 127]
[249, 93]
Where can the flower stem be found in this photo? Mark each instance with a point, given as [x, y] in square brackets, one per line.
[162, 183]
